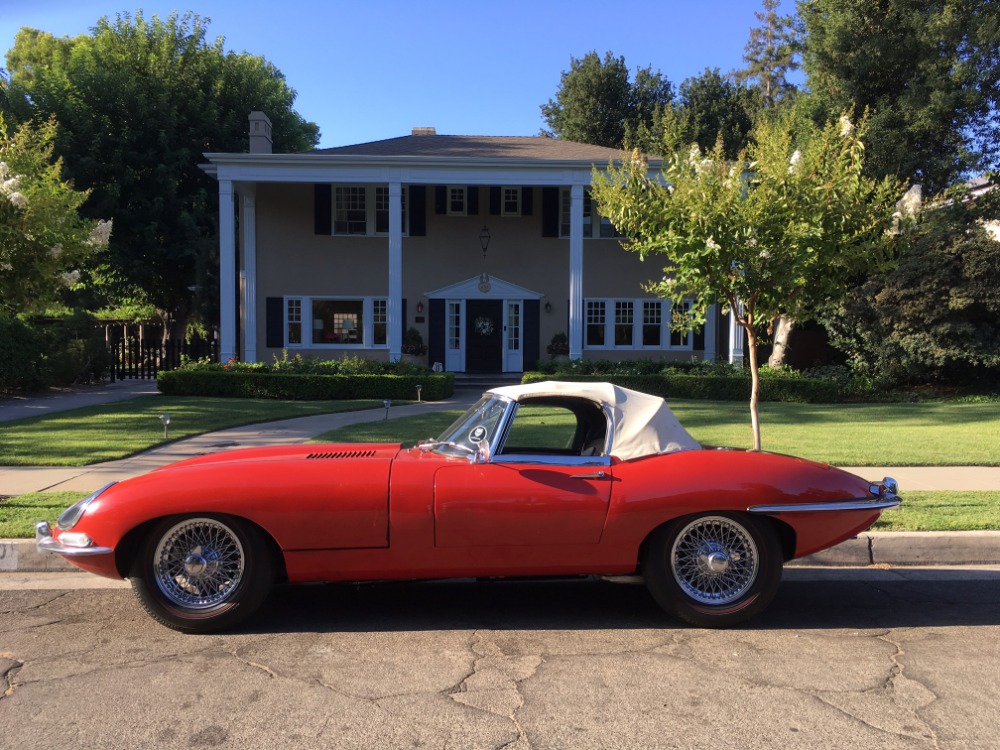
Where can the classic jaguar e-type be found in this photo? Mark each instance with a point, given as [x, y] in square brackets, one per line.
[549, 479]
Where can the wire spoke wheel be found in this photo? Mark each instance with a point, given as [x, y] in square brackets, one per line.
[714, 560]
[714, 570]
[199, 563]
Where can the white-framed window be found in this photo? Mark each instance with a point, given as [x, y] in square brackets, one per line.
[510, 201]
[635, 324]
[565, 204]
[342, 322]
[293, 321]
[456, 200]
[363, 210]
[605, 229]
[595, 323]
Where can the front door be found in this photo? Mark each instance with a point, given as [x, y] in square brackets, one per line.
[484, 325]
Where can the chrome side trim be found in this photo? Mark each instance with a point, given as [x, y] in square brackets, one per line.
[547, 460]
[45, 542]
[861, 503]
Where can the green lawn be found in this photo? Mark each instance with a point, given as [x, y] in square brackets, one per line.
[921, 511]
[109, 431]
[921, 434]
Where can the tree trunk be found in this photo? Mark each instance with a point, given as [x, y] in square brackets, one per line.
[754, 387]
[782, 332]
[174, 324]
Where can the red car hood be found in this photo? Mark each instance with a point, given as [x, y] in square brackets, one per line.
[310, 451]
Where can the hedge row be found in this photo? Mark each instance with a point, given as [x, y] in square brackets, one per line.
[436, 386]
[711, 387]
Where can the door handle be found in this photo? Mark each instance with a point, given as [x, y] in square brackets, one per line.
[595, 475]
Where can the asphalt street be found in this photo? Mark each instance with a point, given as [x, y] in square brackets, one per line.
[879, 659]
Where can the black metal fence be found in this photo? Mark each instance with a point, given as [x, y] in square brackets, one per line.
[142, 357]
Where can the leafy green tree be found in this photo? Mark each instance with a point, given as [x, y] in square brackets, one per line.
[771, 54]
[936, 318]
[709, 106]
[138, 103]
[597, 103]
[779, 231]
[928, 73]
[43, 240]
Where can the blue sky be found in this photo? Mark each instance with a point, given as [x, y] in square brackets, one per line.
[371, 69]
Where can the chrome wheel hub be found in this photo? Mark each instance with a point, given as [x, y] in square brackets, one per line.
[714, 560]
[198, 563]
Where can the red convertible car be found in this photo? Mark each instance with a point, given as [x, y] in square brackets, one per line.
[550, 479]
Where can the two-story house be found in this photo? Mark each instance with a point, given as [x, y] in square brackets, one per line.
[488, 246]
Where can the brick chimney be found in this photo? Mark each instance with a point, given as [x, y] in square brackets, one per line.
[260, 133]
[424, 131]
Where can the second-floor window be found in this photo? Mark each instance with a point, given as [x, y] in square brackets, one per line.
[363, 210]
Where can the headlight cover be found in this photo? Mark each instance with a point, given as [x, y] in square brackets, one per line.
[72, 515]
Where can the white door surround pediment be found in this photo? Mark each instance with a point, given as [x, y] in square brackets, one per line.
[483, 287]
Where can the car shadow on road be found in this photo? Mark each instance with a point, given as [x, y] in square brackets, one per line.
[595, 605]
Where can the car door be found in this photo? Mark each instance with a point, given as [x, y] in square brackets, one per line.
[538, 490]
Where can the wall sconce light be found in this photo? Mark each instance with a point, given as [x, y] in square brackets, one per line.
[484, 239]
[420, 308]
[548, 307]
[165, 418]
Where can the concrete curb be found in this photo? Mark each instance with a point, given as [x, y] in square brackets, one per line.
[882, 548]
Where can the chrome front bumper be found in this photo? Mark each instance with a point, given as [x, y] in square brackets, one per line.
[84, 546]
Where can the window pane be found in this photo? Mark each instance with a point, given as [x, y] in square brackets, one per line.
[623, 323]
[564, 213]
[456, 200]
[511, 201]
[294, 313]
[652, 319]
[454, 326]
[679, 317]
[513, 326]
[350, 216]
[382, 210]
[338, 321]
[540, 429]
[595, 324]
[380, 320]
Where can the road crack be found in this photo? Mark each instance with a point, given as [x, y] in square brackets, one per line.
[9, 667]
[494, 685]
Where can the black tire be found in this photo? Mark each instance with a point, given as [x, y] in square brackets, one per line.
[713, 570]
[198, 574]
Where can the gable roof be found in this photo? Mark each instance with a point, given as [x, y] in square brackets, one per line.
[479, 147]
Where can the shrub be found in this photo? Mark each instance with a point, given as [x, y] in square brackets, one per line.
[710, 387]
[20, 352]
[303, 386]
[61, 352]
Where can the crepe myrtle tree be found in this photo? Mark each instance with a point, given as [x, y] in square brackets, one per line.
[43, 239]
[780, 230]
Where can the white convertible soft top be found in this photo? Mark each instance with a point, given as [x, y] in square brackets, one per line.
[643, 424]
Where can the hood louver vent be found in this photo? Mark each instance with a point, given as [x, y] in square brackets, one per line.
[342, 454]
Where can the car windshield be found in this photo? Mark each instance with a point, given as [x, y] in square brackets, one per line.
[477, 425]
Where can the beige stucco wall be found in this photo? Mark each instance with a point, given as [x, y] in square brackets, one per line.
[292, 260]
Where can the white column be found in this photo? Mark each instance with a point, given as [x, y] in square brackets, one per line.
[735, 340]
[248, 223]
[711, 319]
[227, 272]
[395, 307]
[576, 272]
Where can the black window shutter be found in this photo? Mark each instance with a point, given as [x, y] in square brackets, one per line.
[472, 200]
[441, 199]
[495, 200]
[418, 210]
[275, 317]
[435, 331]
[699, 339]
[550, 212]
[531, 334]
[403, 313]
[527, 200]
[323, 209]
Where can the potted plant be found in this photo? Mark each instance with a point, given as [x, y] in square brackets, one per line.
[413, 344]
[558, 348]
